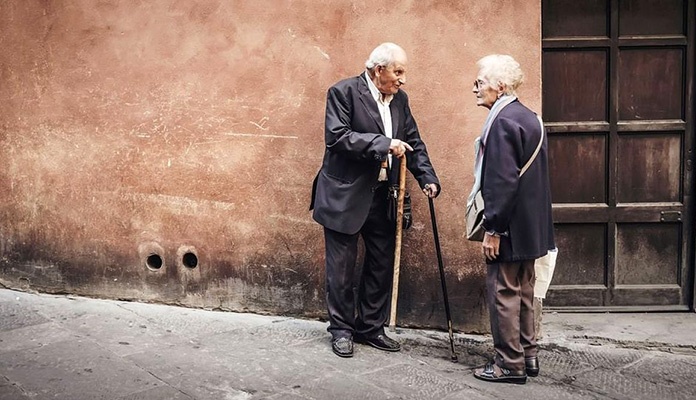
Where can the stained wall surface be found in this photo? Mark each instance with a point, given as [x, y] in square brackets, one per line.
[143, 134]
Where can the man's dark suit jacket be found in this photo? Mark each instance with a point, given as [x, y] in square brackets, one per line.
[355, 147]
[520, 206]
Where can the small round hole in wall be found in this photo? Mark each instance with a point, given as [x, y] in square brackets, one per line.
[190, 260]
[154, 261]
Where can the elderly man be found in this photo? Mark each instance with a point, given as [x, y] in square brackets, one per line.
[368, 127]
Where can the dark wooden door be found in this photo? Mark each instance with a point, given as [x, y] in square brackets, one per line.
[618, 78]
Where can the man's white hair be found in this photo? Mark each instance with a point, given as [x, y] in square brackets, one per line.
[501, 69]
[384, 55]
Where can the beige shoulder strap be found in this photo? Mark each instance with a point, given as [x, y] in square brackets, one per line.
[541, 140]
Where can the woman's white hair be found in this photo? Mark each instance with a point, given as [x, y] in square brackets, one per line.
[384, 55]
[501, 69]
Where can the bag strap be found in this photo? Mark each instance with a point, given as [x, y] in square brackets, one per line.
[531, 159]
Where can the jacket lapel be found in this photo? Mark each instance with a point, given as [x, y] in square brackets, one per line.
[369, 102]
[394, 117]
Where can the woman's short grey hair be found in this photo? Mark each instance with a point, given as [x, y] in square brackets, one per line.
[383, 55]
[501, 69]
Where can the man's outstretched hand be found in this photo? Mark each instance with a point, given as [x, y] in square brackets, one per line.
[399, 148]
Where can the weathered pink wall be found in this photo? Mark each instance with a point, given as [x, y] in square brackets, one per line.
[135, 127]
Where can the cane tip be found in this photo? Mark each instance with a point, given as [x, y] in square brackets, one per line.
[454, 358]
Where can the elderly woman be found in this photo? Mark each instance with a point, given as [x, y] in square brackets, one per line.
[512, 174]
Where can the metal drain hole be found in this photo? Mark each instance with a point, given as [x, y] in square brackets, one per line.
[190, 260]
[154, 261]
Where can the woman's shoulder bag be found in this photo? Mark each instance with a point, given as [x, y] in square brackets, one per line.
[474, 211]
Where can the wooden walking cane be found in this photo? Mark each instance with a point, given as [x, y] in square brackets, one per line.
[397, 249]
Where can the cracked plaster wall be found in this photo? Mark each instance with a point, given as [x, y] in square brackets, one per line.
[131, 128]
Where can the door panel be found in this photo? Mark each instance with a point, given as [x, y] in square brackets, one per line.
[651, 84]
[666, 17]
[588, 18]
[618, 106]
[584, 254]
[583, 163]
[648, 254]
[562, 69]
[649, 168]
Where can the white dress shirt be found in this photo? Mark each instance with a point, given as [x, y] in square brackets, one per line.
[383, 101]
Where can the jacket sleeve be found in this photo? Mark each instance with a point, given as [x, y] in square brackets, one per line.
[339, 136]
[501, 170]
[418, 160]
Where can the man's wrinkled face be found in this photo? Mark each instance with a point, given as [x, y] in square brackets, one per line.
[390, 78]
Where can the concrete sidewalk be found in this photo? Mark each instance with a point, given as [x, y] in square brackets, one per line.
[63, 347]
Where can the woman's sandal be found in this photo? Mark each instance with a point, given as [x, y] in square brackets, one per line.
[493, 373]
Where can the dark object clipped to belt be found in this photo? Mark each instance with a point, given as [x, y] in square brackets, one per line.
[392, 207]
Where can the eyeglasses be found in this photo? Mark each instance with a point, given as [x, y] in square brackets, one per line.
[479, 84]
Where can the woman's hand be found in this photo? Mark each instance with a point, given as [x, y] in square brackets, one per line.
[491, 246]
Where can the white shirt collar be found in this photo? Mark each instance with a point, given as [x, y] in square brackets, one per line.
[376, 94]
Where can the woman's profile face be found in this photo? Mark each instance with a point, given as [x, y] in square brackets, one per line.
[486, 94]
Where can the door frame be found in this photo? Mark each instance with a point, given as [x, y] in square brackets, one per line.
[687, 245]
[691, 127]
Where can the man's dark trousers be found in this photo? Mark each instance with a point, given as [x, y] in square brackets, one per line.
[374, 288]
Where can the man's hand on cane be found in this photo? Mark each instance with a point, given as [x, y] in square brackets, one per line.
[399, 148]
[430, 190]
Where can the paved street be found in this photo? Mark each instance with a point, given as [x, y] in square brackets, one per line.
[63, 347]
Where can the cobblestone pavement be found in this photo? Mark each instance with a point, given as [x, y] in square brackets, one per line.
[63, 347]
